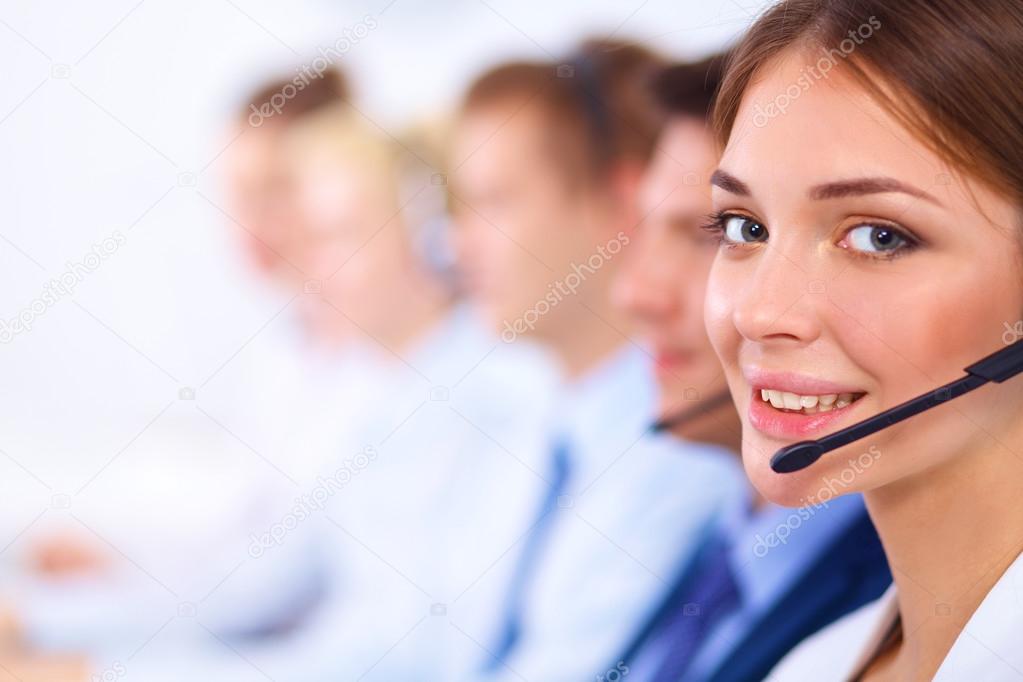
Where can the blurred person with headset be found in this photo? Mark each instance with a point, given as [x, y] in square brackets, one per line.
[456, 426]
[85, 598]
[775, 576]
[416, 446]
[383, 401]
[870, 244]
[546, 160]
[79, 593]
[260, 200]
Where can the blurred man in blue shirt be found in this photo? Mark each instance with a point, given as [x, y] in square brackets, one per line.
[775, 575]
[546, 162]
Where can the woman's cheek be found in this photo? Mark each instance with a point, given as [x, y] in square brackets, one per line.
[909, 344]
[717, 316]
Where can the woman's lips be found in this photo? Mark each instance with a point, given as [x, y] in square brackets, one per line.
[785, 425]
[806, 384]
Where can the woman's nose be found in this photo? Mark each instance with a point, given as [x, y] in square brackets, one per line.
[780, 301]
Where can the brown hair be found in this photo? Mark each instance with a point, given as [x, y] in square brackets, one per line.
[688, 89]
[948, 70]
[315, 94]
[597, 103]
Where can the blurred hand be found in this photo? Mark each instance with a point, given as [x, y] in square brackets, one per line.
[15, 668]
[66, 554]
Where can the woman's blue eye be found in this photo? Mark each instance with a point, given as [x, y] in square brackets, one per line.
[875, 239]
[740, 230]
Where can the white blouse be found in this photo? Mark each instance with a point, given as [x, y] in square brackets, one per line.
[989, 649]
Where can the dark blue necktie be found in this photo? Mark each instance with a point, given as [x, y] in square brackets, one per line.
[511, 625]
[709, 593]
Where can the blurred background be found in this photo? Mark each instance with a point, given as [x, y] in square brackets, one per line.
[116, 400]
[115, 117]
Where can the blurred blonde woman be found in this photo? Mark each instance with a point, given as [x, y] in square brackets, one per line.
[403, 420]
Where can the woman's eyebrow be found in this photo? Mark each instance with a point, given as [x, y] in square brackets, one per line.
[729, 183]
[864, 186]
[830, 190]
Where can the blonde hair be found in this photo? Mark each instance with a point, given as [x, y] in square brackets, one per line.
[336, 136]
[407, 170]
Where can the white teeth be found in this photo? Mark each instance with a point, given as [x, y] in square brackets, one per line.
[808, 404]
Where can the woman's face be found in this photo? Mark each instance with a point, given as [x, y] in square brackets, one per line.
[856, 271]
[351, 238]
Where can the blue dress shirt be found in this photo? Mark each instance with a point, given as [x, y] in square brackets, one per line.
[637, 506]
[776, 557]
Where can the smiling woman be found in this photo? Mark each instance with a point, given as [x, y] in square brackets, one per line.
[883, 260]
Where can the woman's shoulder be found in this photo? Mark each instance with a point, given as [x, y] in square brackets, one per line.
[989, 648]
[835, 652]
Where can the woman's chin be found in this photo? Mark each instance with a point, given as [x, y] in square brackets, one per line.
[847, 470]
[796, 489]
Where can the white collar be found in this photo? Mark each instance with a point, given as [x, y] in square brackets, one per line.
[990, 646]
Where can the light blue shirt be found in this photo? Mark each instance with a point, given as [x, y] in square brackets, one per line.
[636, 507]
[415, 540]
